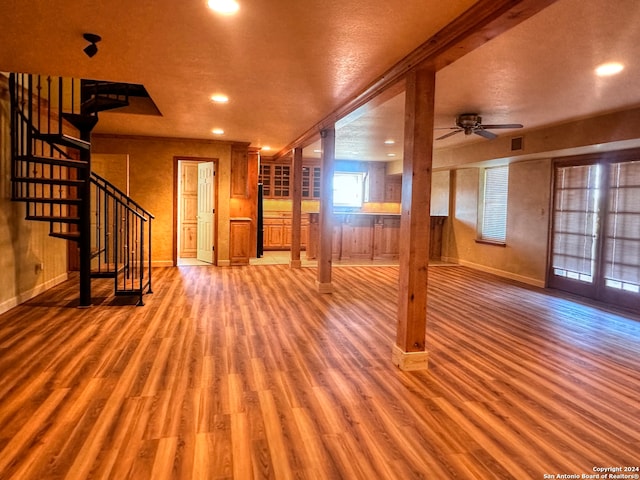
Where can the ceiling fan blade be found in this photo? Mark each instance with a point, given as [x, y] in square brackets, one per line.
[502, 125]
[446, 135]
[485, 134]
[446, 128]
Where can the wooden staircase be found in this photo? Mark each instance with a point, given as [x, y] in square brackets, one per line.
[51, 124]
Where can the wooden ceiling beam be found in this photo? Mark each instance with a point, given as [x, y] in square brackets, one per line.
[485, 20]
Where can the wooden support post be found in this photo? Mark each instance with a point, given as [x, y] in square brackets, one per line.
[296, 210]
[410, 353]
[328, 142]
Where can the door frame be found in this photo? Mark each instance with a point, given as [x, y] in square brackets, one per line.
[176, 181]
[597, 291]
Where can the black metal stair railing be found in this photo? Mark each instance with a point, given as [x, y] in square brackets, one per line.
[121, 231]
[46, 175]
[51, 174]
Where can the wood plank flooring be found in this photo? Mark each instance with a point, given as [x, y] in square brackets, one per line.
[247, 372]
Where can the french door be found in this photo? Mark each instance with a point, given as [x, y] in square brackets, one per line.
[595, 244]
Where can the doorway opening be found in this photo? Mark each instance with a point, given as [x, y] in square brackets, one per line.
[194, 211]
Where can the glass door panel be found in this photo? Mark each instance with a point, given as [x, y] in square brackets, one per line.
[621, 250]
[575, 228]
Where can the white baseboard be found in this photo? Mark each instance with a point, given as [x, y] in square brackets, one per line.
[34, 292]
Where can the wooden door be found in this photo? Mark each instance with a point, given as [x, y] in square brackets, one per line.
[188, 228]
[205, 212]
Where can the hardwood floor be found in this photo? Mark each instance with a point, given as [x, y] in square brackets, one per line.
[247, 372]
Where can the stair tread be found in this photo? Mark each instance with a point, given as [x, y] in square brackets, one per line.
[64, 139]
[74, 236]
[100, 103]
[51, 218]
[64, 162]
[114, 88]
[81, 121]
[66, 201]
[50, 181]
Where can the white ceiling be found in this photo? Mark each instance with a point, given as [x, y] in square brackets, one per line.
[287, 64]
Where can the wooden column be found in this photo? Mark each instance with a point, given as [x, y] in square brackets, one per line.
[410, 353]
[328, 142]
[296, 210]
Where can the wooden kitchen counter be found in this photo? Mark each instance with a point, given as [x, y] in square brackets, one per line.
[370, 236]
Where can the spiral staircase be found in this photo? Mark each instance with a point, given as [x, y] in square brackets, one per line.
[51, 123]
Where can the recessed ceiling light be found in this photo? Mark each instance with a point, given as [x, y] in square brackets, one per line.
[608, 69]
[219, 98]
[317, 151]
[217, 131]
[225, 7]
[266, 148]
[389, 142]
[391, 154]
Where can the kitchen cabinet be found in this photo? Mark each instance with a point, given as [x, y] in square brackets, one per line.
[240, 241]
[393, 188]
[277, 230]
[276, 179]
[311, 181]
[372, 236]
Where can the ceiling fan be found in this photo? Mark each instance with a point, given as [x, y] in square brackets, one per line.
[472, 123]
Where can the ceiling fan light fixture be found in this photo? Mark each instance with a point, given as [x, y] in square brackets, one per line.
[471, 123]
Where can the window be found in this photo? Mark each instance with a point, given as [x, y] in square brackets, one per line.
[348, 189]
[493, 225]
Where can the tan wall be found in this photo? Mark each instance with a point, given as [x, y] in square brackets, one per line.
[31, 261]
[525, 254]
[151, 176]
[613, 131]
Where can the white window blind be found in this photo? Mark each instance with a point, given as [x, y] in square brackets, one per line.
[622, 235]
[494, 204]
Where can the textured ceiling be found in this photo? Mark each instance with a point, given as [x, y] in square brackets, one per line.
[539, 73]
[283, 63]
[286, 64]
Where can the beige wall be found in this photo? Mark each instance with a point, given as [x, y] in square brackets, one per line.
[151, 176]
[525, 254]
[31, 261]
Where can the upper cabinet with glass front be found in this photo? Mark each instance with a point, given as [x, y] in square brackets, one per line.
[310, 181]
[276, 179]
